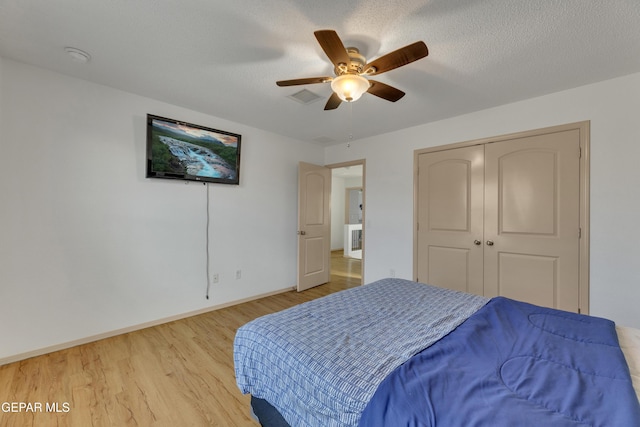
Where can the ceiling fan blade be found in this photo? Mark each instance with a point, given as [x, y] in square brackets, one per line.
[307, 81]
[333, 102]
[398, 58]
[333, 47]
[385, 91]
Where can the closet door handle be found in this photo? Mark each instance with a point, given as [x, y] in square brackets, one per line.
[477, 242]
[489, 242]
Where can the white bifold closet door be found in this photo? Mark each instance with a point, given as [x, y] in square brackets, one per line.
[503, 218]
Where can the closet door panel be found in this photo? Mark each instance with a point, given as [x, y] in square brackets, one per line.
[449, 267]
[450, 216]
[532, 217]
[521, 273]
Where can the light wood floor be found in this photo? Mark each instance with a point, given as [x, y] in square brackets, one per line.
[176, 374]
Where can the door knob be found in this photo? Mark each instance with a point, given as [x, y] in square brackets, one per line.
[489, 242]
[302, 233]
[477, 242]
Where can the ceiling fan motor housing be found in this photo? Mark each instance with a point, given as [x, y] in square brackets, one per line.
[356, 65]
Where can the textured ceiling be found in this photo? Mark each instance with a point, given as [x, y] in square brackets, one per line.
[223, 57]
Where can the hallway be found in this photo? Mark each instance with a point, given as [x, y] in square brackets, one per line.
[345, 271]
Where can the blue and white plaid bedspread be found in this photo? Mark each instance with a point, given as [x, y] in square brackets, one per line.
[320, 362]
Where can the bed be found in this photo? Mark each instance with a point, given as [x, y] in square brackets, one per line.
[397, 352]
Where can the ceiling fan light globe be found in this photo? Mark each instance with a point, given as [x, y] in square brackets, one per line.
[349, 87]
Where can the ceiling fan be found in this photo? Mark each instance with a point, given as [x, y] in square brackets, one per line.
[352, 69]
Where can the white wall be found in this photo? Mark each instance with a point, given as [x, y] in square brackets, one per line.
[337, 212]
[338, 187]
[611, 106]
[89, 246]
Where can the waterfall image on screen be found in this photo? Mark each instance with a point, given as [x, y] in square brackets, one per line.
[179, 150]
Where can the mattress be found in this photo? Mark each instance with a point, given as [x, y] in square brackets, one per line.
[629, 339]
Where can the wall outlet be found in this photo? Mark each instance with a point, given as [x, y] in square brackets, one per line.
[238, 274]
[392, 273]
[215, 278]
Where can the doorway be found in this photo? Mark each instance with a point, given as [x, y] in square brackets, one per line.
[347, 213]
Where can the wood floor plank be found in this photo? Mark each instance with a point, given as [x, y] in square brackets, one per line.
[176, 374]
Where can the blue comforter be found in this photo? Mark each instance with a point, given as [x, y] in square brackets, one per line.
[512, 364]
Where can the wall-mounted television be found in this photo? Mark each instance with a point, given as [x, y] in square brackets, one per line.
[180, 150]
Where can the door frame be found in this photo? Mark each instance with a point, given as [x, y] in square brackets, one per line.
[362, 162]
[584, 132]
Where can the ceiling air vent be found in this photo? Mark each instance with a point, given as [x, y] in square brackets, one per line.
[304, 96]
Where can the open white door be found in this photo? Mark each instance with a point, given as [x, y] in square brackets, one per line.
[314, 226]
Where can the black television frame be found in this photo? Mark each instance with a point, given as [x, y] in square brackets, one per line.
[170, 169]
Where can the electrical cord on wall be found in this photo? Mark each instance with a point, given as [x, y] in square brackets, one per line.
[207, 242]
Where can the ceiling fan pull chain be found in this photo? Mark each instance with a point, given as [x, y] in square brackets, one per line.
[350, 125]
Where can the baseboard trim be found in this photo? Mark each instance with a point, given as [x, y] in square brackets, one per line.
[98, 337]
